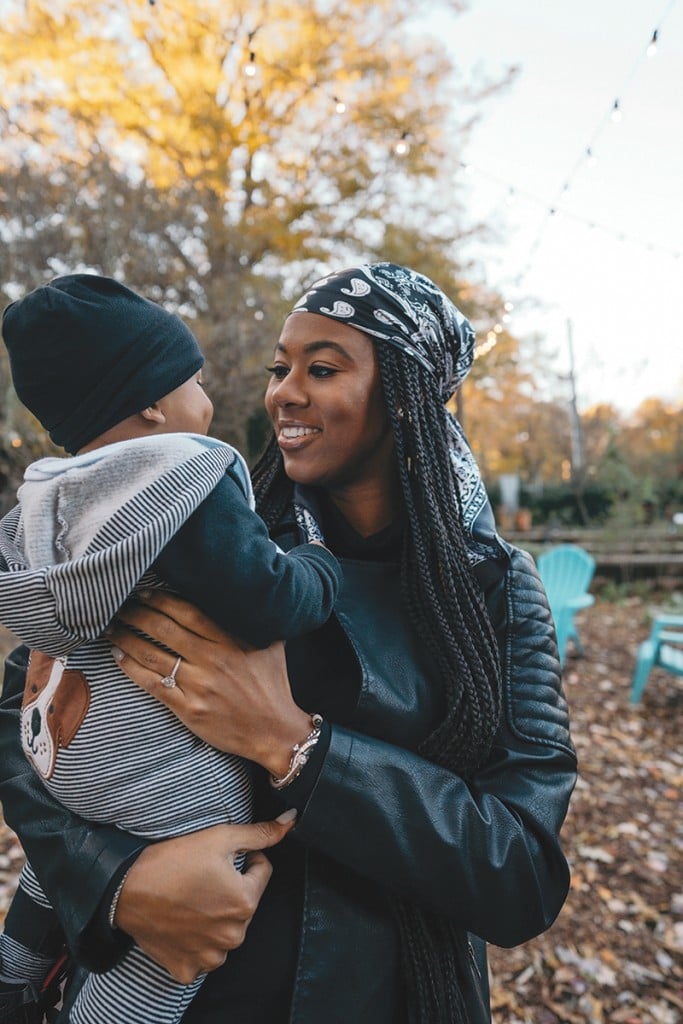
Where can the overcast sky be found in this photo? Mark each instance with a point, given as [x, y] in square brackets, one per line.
[623, 295]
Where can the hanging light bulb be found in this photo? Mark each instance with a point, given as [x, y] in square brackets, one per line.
[339, 105]
[485, 346]
[616, 112]
[510, 198]
[250, 69]
[402, 146]
[652, 46]
[591, 158]
[565, 191]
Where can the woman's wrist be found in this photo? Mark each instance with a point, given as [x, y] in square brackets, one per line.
[301, 752]
[279, 749]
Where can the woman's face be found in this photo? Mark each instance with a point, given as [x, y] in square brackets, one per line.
[326, 404]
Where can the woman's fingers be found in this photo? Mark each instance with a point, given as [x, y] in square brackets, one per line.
[262, 834]
[150, 673]
[234, 697]
[171, 622]
[155, 606]
[184, 903]
[139, 650]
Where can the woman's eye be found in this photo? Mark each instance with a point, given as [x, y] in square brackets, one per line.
[279, 371]
[321, 371]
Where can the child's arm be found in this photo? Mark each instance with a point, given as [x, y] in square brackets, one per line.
[223, 560]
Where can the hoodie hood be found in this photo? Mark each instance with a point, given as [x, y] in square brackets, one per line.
[86, 530]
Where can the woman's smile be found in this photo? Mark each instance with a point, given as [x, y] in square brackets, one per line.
[291, 436]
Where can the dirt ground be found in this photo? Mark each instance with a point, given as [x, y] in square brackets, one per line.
[615, 954]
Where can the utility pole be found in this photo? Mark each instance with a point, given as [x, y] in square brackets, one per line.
[578, 459]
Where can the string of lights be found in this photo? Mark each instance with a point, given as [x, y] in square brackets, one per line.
[588, 157]
[512, 194]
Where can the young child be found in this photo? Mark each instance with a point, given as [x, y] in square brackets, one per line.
[147, 497]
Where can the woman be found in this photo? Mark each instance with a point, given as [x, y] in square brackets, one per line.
[431, 797]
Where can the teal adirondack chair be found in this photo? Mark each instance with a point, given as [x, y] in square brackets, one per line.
[663, 648]
[566, 572]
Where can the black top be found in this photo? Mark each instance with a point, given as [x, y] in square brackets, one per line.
[254, 985]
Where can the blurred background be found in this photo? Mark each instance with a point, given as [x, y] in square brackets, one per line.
[220, 155]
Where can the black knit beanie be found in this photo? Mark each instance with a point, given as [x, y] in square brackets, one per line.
[86, 352]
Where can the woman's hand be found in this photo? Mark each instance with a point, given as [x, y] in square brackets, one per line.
[235, 698]
[184, 903]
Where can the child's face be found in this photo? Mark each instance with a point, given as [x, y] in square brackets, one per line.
[188, 409]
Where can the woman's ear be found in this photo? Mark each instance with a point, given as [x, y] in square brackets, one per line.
[153, 414]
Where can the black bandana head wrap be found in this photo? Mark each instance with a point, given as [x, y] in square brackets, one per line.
[403, 308]
[400, 307]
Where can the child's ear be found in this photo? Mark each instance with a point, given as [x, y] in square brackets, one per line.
[153, 414]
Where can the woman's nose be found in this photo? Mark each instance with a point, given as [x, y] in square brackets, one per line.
[290, 390]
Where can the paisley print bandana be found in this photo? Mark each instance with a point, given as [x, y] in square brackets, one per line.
[403, 308]
[400, 307]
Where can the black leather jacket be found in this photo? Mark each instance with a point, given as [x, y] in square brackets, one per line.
[380, 818]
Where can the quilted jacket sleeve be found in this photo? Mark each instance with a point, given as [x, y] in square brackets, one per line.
[485, 851]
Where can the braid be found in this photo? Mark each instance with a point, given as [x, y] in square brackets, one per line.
[444, 600]
[433, 955]
[447, 609]
[272, 488]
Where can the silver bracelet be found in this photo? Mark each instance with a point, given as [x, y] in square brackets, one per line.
[115, 900]
[300, 755]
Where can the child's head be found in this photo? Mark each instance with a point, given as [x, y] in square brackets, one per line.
[87, 353]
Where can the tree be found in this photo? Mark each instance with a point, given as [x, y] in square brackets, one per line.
[654, 436]
[511, 426]
[652, 444]
[216, 155]
[601, 424]
[639, 458]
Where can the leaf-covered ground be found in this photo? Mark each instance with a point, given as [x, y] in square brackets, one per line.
[615, 954]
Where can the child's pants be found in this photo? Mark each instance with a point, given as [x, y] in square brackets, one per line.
[136, 989]
[135, 985]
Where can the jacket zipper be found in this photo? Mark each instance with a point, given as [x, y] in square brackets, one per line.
[470, 950]
[484, 1009]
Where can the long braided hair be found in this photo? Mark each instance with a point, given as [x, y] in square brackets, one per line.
[447, 608]
[444, 600]
[445, 605]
